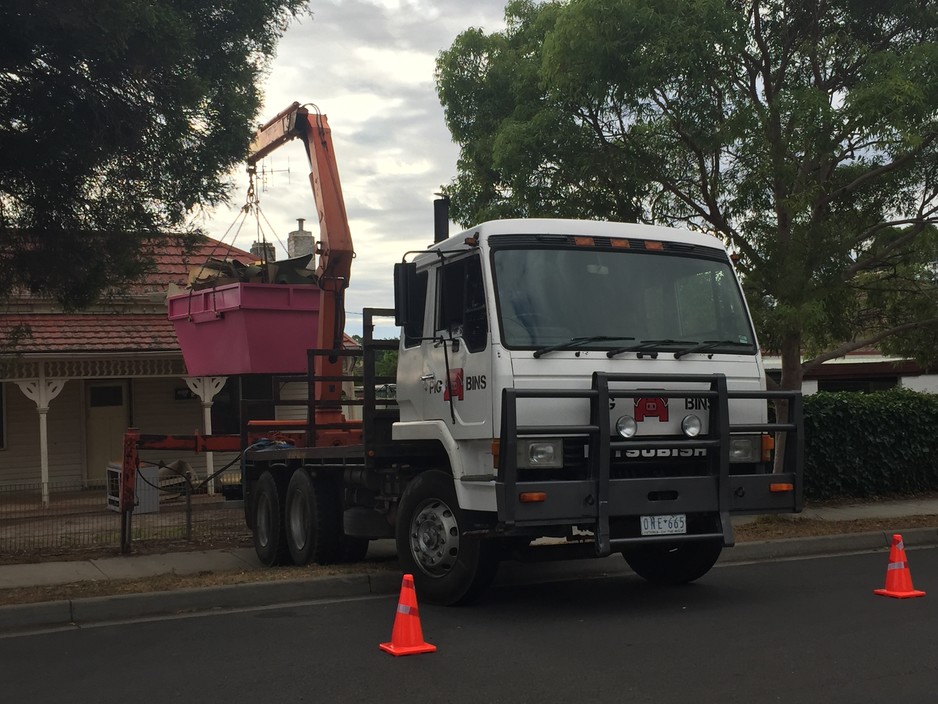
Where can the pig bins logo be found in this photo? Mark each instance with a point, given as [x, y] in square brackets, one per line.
[651, 408]
[455, 388]
[459, 384]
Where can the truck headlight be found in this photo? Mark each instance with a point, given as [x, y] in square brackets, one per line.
[540, 453]
[626, 427]
[745, 448]
[691, 426]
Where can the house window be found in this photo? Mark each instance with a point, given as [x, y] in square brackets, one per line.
[102, 396]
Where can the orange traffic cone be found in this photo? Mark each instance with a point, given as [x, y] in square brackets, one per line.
[898, 576]
[407, 636]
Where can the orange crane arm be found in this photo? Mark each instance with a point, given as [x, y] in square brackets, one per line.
[335, 239]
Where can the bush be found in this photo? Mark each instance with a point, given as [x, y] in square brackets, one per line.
[868, 445]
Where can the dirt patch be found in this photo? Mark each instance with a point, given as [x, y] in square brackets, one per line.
[782, 527]
[140, 547]
[762, 528]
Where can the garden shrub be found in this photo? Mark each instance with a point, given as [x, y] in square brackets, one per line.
[870, 445]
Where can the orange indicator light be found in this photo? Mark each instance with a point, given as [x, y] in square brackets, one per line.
[532, 497]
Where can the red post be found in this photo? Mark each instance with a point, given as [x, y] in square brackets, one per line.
[128, 485]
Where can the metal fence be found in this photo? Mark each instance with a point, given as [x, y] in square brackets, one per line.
[71, 518]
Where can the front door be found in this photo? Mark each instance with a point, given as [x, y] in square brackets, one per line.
[106, 419]
[459, 361]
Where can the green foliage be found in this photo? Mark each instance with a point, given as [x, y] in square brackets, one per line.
[525, 149]
[118, 120]
[385, 360]
[805, 135]
[386, 363]
[870, 445]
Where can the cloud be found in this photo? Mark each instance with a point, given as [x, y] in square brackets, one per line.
[368, 65]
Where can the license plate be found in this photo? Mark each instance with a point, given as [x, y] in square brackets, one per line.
[674, 524]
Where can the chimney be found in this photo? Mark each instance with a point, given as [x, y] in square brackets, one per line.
[264, 251]
[300, 241]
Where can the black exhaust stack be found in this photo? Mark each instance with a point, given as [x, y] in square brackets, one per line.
[440, 218]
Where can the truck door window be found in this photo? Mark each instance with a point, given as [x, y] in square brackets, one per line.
[461, 308]
[413, 331]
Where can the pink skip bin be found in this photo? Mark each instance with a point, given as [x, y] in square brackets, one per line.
[245, 328]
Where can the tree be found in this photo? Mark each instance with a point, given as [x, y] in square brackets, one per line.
[118, 122]
[801, 133]
[385, 360]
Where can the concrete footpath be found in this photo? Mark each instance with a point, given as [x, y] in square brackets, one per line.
[378, 576]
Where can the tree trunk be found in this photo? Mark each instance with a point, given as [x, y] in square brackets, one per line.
[792, 377]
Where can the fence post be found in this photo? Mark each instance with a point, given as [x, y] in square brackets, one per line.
[188, 509]
[128, 486]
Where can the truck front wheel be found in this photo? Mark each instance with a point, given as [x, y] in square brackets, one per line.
[449, 568]
[269, 536]
[674, 564]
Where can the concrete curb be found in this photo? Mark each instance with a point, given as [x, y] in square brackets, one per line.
[22, 617]
[92, 610]
[826, 545]
[97, 610]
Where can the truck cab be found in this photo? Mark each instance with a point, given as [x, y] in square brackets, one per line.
[584, 378]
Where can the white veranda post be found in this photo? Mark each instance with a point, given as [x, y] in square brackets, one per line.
[41, 391]
[206, 387]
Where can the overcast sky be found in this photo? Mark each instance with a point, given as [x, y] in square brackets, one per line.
[368, 65]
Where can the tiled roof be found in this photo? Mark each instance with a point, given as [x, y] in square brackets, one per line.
[171, 262]
[100, 332]
[51, 333]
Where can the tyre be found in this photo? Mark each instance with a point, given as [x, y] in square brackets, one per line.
[449, 568]
[312, 530]
[674, 564]
[269, 536]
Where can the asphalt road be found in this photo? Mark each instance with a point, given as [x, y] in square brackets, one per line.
[800, 631]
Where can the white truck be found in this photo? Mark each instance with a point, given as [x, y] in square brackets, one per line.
[592, 382]
[564, 388]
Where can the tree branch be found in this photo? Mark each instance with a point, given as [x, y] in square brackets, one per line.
[847, 347]
[899, 243]
[882, 170]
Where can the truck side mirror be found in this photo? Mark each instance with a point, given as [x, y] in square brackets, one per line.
[405, 289]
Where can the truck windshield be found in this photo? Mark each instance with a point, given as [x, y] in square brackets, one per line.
[549, 296]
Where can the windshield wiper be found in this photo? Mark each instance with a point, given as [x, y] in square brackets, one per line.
[647, 345]
[575, 342]
[709, 344]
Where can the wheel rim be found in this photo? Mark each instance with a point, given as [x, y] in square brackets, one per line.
[262, 520]
[434, 538]
[298, 520]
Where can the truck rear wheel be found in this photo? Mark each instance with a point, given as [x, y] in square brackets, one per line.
[269, 536]
[449, 568]
[674, 564]
[312, 529]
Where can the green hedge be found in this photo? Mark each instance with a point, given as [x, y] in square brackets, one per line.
[869, 445]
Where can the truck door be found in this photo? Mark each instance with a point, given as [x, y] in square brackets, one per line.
[458, 364]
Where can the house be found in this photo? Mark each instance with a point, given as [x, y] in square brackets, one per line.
[71, 383]
[865, 370]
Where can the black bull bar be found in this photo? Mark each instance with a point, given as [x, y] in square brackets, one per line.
[590, 502]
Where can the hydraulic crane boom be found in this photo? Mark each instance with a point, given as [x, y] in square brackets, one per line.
[335, 240]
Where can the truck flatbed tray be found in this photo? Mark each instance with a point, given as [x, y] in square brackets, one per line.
[341, 452]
